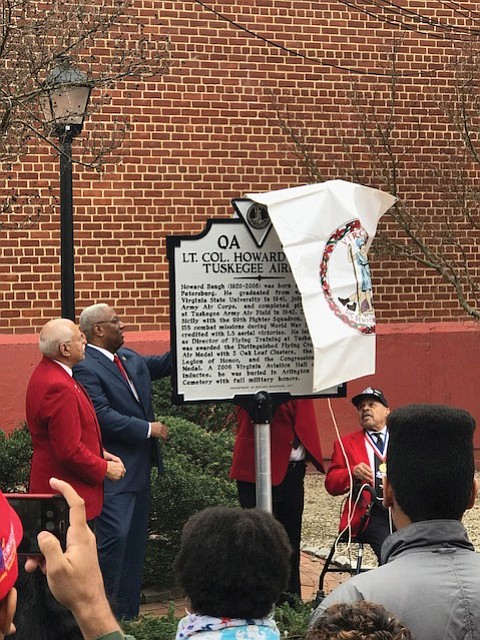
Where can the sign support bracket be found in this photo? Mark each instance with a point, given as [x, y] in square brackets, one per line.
[263, 461]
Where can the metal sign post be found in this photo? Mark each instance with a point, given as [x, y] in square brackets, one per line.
[263, 463]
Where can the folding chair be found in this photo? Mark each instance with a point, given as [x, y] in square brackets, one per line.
[330, 567]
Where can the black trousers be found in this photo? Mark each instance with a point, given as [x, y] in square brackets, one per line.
[377, 530]
[287, 500]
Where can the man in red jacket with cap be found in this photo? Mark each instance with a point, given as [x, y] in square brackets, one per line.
[294, 440]
[358, 460]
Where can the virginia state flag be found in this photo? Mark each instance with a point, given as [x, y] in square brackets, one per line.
[326, 230]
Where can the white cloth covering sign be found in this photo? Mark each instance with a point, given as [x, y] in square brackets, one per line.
[326, 230]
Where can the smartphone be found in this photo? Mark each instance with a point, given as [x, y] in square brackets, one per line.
[39, 512]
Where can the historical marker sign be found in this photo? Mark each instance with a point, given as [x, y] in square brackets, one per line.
[236, 313]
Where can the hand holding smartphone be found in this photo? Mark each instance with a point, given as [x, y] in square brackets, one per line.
[40, 512]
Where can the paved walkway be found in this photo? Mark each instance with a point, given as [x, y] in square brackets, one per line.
[310, 567]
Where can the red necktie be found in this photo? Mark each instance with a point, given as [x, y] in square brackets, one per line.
[118, 362]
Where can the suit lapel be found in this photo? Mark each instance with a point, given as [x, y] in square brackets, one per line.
[113, 369]
[83, 397]
[360, 446]
[129, 364]
[109, 365]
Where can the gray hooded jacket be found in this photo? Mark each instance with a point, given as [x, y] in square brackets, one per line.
[431, 582]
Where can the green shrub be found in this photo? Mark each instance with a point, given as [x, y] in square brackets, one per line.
[153, 628]
[15, 458]
[292, 620]
[213, 416]
[292, 623]
[211, 451]
[197, 463]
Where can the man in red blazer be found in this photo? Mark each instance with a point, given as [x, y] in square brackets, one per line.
[358, 459]
[62, 421]
[294, 440]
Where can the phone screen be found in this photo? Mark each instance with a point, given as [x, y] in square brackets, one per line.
[39, 513]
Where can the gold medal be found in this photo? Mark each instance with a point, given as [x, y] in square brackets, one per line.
[383, 468]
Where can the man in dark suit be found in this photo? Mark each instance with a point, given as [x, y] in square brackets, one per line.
[295, 439]
[118, 381]
[61, 419]
[357, 461]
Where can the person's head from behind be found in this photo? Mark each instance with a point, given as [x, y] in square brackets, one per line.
[430, 463]
[39, 616]
[358, 621]
[10, 537]
[60, 339]
[233, 562]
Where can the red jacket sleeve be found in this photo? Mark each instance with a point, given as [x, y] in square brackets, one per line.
[306, 427]
[337, 481]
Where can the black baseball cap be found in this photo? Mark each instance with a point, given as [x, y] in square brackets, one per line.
[370, 392]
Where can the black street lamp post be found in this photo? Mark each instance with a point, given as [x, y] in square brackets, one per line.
[67, 251]
[64, 103]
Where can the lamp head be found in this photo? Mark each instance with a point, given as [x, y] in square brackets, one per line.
[65, 98]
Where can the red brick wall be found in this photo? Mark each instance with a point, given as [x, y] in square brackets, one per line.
[209, 131]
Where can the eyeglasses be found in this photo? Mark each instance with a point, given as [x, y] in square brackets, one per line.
[113, 321]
